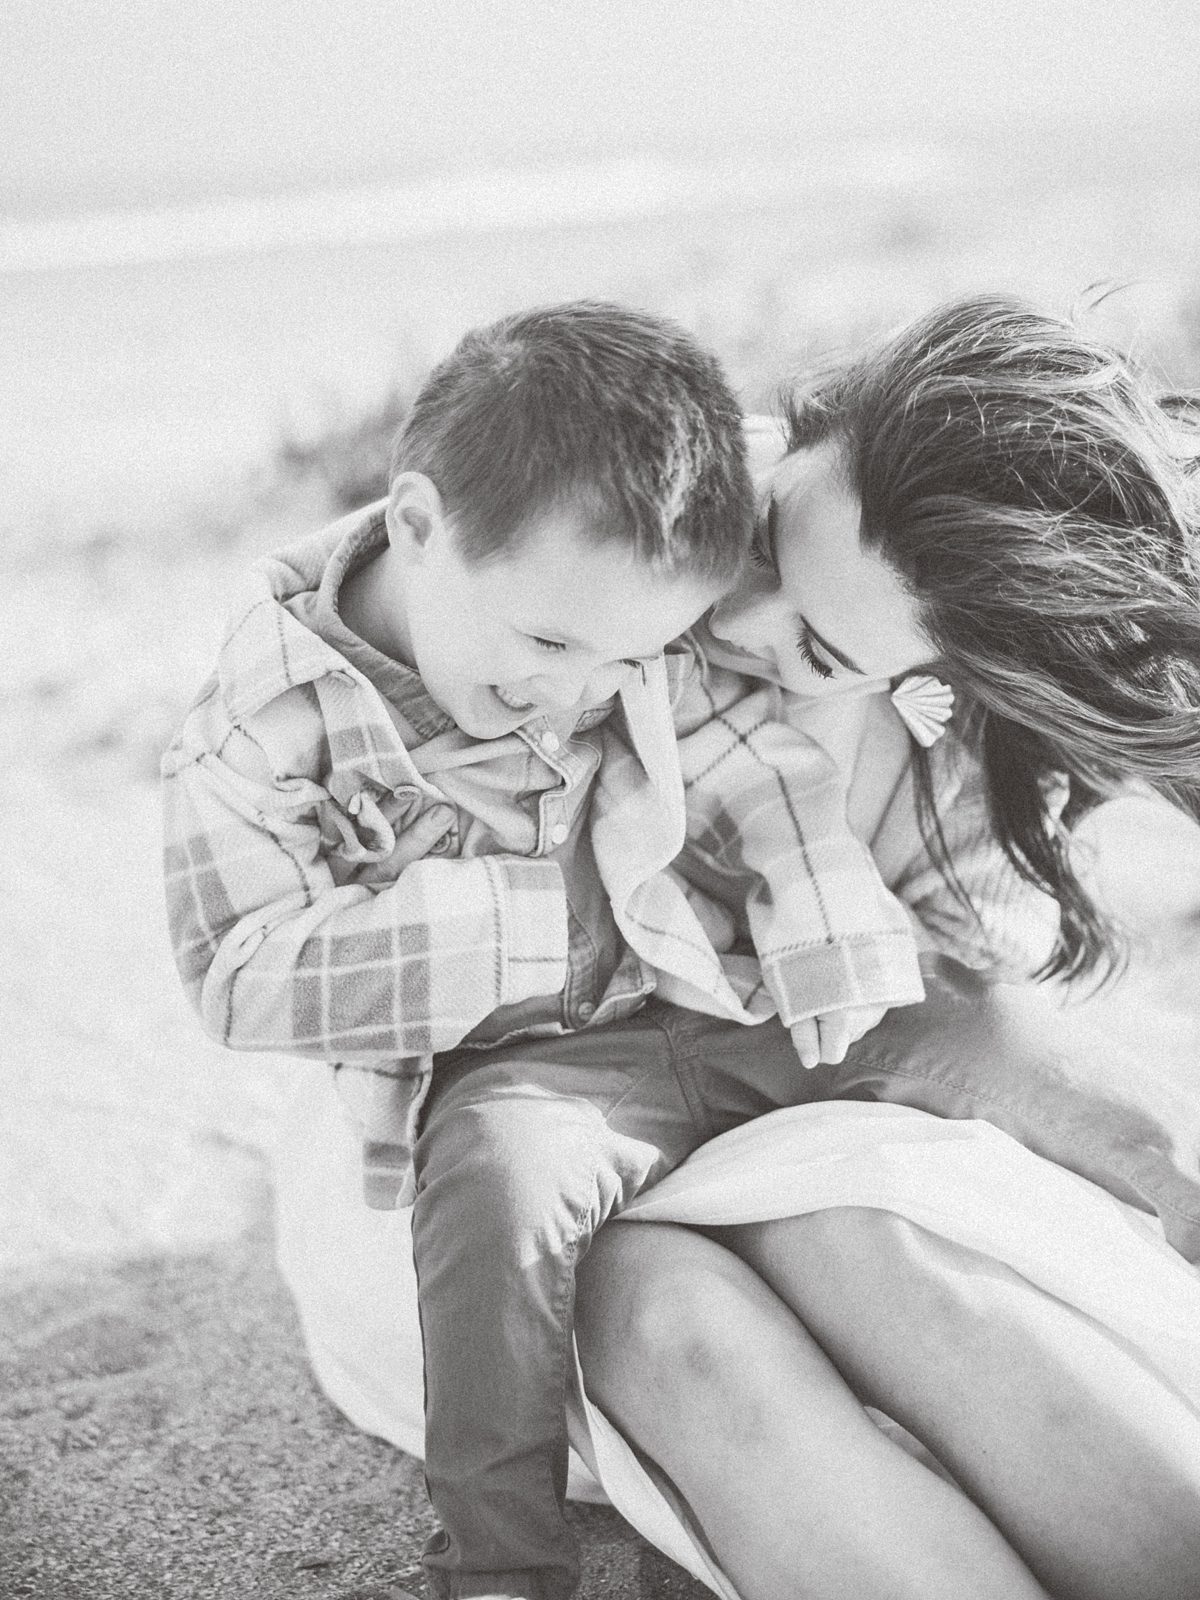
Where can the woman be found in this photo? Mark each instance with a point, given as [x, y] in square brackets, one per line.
[992, 497]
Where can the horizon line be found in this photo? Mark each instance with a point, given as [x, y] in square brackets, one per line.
[606, 189]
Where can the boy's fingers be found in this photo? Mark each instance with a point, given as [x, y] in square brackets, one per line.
[807, 1041]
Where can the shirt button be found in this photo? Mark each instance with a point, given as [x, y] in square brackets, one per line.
[549, 740]
[586, 1010]
[558, 833]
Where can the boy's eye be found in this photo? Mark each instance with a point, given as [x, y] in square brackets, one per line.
[805, 646]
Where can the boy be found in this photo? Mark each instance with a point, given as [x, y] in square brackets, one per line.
[419, 825]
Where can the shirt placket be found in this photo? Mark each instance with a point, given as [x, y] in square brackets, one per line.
[555, 821]
[554, 807]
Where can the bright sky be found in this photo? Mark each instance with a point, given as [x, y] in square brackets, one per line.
[157, 99]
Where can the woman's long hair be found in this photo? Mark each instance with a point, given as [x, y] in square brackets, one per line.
[1041, 506]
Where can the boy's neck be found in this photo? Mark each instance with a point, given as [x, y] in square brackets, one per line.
[371, 603]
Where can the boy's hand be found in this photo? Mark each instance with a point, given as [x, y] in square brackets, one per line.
[825, 1039]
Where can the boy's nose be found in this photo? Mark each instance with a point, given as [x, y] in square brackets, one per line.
[560, 690]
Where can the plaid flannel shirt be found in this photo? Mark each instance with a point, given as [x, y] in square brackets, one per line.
[317, 905]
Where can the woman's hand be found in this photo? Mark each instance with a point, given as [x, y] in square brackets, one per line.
[824, 1040]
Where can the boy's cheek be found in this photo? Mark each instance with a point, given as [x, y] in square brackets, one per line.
[604, 685]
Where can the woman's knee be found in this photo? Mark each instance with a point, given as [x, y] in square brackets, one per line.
[658, 1305]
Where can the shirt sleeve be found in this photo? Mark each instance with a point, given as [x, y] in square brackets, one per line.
[1006, 927]
[767, 830]
[277, 954]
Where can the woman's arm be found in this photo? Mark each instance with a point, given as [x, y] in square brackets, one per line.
[768, 835]
[1005, 927]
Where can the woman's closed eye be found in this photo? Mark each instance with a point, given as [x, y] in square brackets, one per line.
[804, 644]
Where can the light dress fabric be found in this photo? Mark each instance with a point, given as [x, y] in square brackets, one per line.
[350, 1269]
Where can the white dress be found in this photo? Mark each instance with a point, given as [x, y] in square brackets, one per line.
[350, 1269]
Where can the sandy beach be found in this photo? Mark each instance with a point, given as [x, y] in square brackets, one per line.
[160, 1434]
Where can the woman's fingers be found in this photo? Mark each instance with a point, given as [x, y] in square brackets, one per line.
[836, 1036]
[826, 1039]
[807, 1039]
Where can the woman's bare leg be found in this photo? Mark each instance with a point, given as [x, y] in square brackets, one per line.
[798, 1493]
[1076, 1453]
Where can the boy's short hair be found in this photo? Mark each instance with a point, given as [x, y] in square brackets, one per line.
[593, 407]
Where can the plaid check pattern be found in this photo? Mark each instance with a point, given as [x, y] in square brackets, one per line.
[767, 836]
[333, 892]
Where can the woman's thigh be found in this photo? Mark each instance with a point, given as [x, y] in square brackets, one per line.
[1086, 1460]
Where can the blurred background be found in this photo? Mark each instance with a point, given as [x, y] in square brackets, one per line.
[233, 238]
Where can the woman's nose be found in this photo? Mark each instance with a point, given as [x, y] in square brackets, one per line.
[744, 618]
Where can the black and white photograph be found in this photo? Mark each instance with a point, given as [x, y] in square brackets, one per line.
[601, 902]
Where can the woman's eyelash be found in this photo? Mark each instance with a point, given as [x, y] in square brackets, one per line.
[811, 658]
[547, 644]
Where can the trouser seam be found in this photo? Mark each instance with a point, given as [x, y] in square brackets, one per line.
[683, 1053]
[565, 1319]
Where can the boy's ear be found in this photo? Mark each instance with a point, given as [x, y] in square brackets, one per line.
[415, 513]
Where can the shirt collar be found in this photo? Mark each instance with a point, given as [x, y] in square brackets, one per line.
[399, 683]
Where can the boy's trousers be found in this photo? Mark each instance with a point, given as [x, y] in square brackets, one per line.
[523, 1152]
